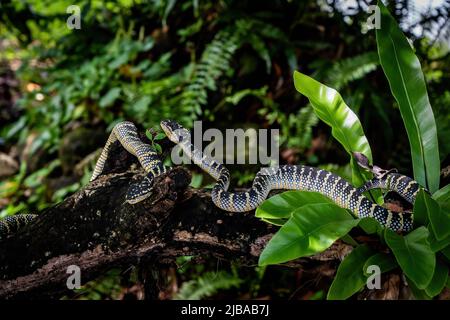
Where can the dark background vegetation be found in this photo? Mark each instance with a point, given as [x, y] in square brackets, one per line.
[227, 63]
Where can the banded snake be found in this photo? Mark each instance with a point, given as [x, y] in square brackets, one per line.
[288, 177]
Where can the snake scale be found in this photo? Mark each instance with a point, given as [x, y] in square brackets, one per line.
[288, 177]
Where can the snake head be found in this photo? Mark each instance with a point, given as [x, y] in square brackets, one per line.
[139, 191]
[174, 131]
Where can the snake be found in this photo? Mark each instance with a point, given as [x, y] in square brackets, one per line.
[11, 224]
[298, 177]
[283, 177]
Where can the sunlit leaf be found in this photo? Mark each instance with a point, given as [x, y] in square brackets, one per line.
[284, 204]
[311, 229]
[345, 125]
[405, 76]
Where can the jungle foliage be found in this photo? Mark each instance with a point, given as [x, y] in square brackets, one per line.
[236, 64]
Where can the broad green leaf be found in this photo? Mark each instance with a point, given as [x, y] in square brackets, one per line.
[446, 252]
[149, 135]
[420, 210]
[140, 107]
[442, 196]
[439, 279]
[169, 6]
[419, 294]
[403, 71]
[426, 209]
[311, 229]
[369, 225]
[236, 97]
[413, 254]
[350, 277]
[157, 147]
[437, 245]
[345, 125]
[109, 98]
[440, 221]
[282, 205]
[386, 262]
[349, 240]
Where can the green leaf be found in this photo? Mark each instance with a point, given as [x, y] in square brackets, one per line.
[260, 47]
[420, 210]
[437, 245]
[439, 279]
[386, 262]
[440, 221]
[370, 225]
[157, 147]
[350, 277]
[442, 196]
[403, 71]
[426, 209]
[141, 106]
[345, 125]
[119, 60]
[236, 97]
[413, 254]
[196, 181]
[109, 98]
[159, 136]
[418, 293]
[277, 222]
[311, 229]
[282, 205]
[446, 252]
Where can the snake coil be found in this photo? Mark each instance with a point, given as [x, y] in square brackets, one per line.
[288, 177]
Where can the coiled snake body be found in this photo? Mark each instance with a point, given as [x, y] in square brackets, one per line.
[290, 177]
[298, 177]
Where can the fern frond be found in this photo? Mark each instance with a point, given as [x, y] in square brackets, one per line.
[214, 62]
[207, 285]
[351, 69]
[218, 54]
[305, 120]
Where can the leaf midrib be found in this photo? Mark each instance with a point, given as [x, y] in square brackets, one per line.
[315, 230]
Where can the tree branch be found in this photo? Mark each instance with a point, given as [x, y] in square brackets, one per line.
[96, 230]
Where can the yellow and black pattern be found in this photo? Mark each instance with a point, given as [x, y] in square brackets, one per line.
[128, 137]
[403, 185]
[11, 224]
[290, 177]
[306, 178]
